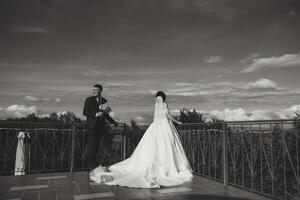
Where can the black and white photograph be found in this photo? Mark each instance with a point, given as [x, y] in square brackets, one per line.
[149, 99]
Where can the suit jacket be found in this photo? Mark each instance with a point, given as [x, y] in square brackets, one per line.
[91, 107]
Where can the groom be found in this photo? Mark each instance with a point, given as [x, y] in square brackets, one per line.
[95, 123]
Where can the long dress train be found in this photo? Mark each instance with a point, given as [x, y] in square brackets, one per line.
[158, 160]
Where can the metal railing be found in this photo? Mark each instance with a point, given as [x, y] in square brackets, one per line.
[260, 156]
[56, 146]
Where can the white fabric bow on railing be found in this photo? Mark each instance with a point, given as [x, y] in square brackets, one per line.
[20, 154]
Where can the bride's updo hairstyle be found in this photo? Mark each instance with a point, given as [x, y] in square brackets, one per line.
[161, 94]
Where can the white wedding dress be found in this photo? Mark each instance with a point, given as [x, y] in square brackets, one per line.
[158, 160]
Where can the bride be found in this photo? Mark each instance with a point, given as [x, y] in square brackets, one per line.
[158, 160]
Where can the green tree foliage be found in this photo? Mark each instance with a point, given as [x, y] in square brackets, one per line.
[65, 117]
[53, 116]
[190, 116]
[68, 117]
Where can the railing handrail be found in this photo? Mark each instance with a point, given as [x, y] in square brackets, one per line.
[32, 125]
[123, 123]
[249, 121]
[22, 122]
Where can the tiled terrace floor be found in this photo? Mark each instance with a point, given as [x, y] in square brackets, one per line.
[77, 186]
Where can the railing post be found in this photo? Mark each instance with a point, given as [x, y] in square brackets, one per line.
[27, 153]
[124, 141]
[225, 158]
[72, 145]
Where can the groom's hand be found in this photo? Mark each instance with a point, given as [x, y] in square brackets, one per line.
[99, 114]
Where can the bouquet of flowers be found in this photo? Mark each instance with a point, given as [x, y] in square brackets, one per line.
[104, 108]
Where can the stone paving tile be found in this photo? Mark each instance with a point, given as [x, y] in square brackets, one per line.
[63, 186]
[85, 188]
[207, 197]
[13, 199]
[79, 177]
[100, 188]
[48, 195]
[70, 186]
[70, 193]
[64, 193]
[64, 197]
[29, 187]
[39, 182]
[55, 184]
[94, 183]
[10, 195]
[166, 198]
[51, 177]
[127, 192]
[174, 190]
[93, 195]
[31, 196]
[150, 192]
[7, 181]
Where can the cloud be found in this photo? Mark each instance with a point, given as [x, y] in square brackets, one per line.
[240, 114]
[31, 98]
[183, 89]
[262, 83]
[224, 89]
[30, 29]
[294, 108]
[218, 77]
[185, 84]
[292, 13]
[128, 57]
[96, 73]
[186, 91]
[117, 84]
[186, 94]
[141, 120]
[17, 111]
[43, 99]
[152, 91]
[214, 9]
[262, 91]
[213, 59]
[266, 115]
[175, 111]
[288, 60]
[250, 57]
[138, 118]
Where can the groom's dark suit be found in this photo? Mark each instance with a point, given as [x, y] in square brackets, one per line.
[96, 127]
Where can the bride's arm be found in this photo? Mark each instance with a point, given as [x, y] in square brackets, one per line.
[170, 117]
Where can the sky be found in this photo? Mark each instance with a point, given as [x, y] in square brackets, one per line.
[231, 59]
